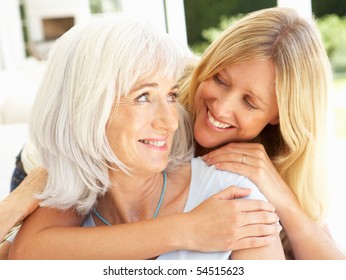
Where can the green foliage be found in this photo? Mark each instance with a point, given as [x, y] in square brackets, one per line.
[321, 8]
[202, 14]
[95, 6]
[211, 33]
[333, 30]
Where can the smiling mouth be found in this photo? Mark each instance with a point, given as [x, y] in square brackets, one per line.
[217, 124]
[158, 144]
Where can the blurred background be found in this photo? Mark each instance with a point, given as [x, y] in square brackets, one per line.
[29, 27]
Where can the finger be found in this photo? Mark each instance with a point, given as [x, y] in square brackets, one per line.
[260, 217]
[246, 145]
[242, 206]
[233, 192]
[235, 147]
[38, 174]
[34, 182]
[223, 156]
[254, 150]
[258, 230]
[246, 170]
[240, 158]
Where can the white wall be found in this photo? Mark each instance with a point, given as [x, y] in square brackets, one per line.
[302, 6]
[12, 50]
[176, 22]
[167, 15]
[36, 10]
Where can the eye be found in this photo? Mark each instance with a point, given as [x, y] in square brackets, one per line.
[143, 98]
[173, 97]
[248, 104]
[219, 80]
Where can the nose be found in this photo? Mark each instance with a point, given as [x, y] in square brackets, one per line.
[166, 117]
[226, 106]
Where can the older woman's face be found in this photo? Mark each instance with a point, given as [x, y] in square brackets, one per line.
[141, 131]
[236, 104]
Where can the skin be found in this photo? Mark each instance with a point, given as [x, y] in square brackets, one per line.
[143, 144]
[12, 212]
[137, 135]
[236, 104]
[133, 199]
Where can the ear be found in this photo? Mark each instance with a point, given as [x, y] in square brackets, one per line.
[275, 121]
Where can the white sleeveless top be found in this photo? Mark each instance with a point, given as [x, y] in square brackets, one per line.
[205, 182]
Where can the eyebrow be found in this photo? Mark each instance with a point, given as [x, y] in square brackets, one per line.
[141, 86]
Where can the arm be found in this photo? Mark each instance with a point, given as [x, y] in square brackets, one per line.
[21, 202]
[46, 231]
[308, 239]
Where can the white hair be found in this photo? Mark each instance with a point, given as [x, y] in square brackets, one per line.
[89, 68]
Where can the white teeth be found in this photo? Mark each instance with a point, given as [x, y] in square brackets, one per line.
[154, 143]
[216, 123]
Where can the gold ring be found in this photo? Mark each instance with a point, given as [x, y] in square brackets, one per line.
[244, 159]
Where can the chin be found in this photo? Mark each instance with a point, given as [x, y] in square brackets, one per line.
[204, 141]
[158, 166]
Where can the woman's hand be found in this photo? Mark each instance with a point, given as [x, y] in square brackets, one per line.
[252, 161]
[24, 194]
[223, 223]
[21, 202]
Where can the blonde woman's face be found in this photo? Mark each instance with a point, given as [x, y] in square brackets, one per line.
[141, 131]
[236, 104]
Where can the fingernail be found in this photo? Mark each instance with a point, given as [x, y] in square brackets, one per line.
[205, 158]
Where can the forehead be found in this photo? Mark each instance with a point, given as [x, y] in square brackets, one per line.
[155, 82]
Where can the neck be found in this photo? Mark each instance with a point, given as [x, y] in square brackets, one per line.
[131, 198]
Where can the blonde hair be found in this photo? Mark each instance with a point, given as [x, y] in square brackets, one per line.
[303, 78]
[89, 68]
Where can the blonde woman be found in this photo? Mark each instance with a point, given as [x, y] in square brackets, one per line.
[287, 158]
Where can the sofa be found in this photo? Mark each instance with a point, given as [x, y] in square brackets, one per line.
[17, 92]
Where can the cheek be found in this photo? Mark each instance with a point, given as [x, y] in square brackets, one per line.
[176, 118]
[253, 125]
[198, 97]
[118, 129]
[205, 91]
[113, 135]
